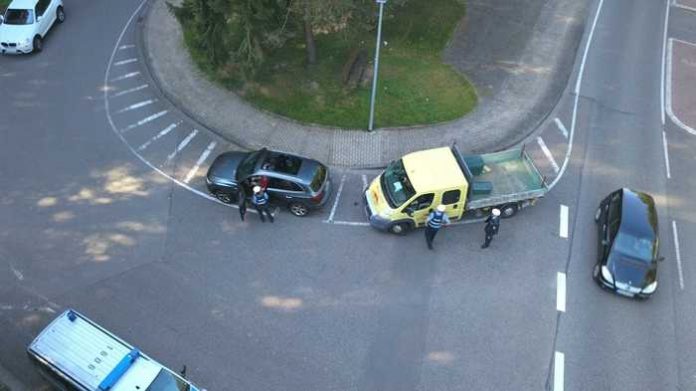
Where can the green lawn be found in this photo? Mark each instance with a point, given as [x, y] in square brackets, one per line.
[415, 87]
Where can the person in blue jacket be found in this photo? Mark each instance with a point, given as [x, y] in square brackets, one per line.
[260, 202]
[436, 219]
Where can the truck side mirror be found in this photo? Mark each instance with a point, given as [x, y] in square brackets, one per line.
[409, 211]
[2, 19]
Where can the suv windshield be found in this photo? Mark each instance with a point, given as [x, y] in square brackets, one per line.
[165, 381]
[246, 168]
[396, 185]
[19, 17]
[634, 247]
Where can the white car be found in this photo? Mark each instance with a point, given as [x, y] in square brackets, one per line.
[26, 23]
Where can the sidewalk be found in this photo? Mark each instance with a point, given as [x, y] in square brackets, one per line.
[519, 67]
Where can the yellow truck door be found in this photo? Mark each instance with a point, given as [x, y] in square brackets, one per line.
[419, 207]
[454, 200]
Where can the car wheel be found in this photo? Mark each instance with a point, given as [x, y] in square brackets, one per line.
[225, 198]
[38, 44]
[60, 15]
[595, 273]
[299, 210]
[399, 228]
[508, 210]
[598, 214]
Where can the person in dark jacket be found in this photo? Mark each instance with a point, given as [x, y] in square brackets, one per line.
[260, 202]
[492, 227]
[241, 202]
[436, 219]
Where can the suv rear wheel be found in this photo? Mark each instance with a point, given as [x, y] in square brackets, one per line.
[299, 209]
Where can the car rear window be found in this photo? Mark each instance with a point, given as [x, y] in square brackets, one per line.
[319, 178]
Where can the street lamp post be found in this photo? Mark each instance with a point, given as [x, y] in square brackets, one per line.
[374, 76]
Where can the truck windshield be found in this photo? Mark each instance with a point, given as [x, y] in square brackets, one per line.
[165, 381]
[396, 185]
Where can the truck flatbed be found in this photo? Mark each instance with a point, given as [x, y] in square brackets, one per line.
[501, 177]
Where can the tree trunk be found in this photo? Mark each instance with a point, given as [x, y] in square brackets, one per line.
[309, 41]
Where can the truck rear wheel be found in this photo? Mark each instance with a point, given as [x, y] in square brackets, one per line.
[399, 228]
[508, 210]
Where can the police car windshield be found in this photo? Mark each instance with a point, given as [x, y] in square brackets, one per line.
[165, 381]
[396, 185]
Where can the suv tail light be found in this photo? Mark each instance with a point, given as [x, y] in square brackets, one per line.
[317, 198]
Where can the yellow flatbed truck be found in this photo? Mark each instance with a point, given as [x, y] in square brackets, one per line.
[404, 194]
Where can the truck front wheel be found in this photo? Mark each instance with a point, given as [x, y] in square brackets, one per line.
[399, 228]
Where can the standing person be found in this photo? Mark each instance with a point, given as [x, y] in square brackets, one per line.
[492, 226]
[434, 222]
[260, 201]
[241, 202]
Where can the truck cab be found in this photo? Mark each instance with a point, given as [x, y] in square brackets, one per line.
[410, 188]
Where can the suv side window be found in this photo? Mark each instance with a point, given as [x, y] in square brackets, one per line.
[422, 202]
[41, 7]
[282, 184]
[451, 197]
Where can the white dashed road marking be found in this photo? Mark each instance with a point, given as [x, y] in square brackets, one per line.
[561, 292]
[664, 145]
[182, 145]
[338, 197]
[200, 161]
[558, 371]
[563, 228]
[561, 127]
[128, 91]
[352, 223]
[144, 121]
[123, 47]
[126, 76]
[546, 151]
[678, 253]
[158, 136]
[124, 62]
[137, 105]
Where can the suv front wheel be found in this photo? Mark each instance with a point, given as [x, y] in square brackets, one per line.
[38, 43]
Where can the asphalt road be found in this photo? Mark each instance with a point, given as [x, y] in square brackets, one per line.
[306, 304]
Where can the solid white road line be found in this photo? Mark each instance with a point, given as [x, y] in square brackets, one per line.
[664, 145]
[338, 197]
[578, 83]
[662, 74]
[668, 92]
[678, 252]
[182, 145]
[561, 127]
[352, 223]
[364, 181]
[200, 161]
[544, 148]
[158, 136]
[561, 292]
[563, 229]
[144, 121]
[137, 105]
[124, 62]
[558, 371]
[122, 47]
[126, 76]
[128, 91]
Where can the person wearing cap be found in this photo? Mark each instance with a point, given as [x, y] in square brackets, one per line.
[260, 201]
[492, 226]
[436, 219]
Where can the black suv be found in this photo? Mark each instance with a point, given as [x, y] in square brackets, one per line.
[301, 184]
[628, 249]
